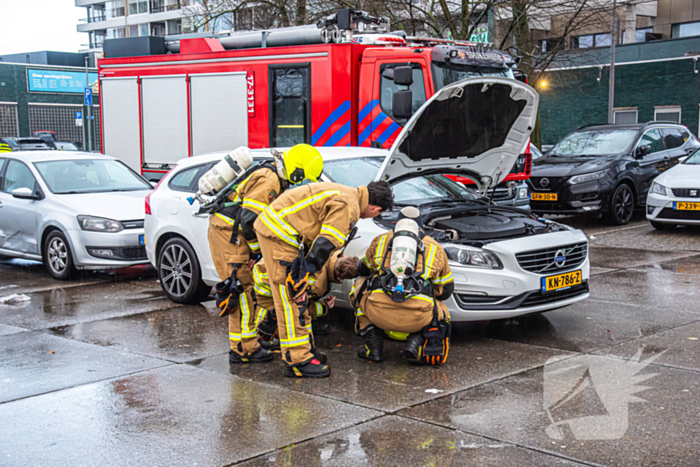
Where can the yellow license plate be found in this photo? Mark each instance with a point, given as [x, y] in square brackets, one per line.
[561, 281]
[683, 206]
[543, 196]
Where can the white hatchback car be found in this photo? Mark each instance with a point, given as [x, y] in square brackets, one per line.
[674, 197]
[71, 210]
[505, 262]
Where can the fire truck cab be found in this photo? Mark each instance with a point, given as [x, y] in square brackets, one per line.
[342, 82]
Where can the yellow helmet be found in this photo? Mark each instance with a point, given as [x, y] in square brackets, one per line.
[303, 162]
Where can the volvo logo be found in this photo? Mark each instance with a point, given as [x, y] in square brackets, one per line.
[544, 182]
[560, 258]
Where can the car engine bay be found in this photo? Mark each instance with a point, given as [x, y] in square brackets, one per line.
[476, 225]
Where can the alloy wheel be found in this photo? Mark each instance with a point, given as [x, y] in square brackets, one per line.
[176, 270]
[624, 204]
[58, 256]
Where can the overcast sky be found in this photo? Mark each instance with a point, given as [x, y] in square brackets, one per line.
[35, 25]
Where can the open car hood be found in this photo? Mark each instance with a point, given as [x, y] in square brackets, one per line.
[476, 127]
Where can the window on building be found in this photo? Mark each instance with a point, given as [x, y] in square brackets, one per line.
[114, 9]
[591, 40]
[548, 45]
[157, 29]
[667, 114]
[388, 88]
[685, 29]
[652, 138]
[625, 116]
[138, 6]
[116, 33]
[640, 35]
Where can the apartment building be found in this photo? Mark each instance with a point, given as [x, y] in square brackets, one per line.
[129, 18]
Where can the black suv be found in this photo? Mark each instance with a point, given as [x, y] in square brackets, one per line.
[606, 168]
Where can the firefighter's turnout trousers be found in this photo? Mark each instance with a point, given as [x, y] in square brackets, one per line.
[293, 321]
[242, 323]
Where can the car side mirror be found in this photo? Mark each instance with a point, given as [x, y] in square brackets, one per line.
[23, 193]
[643, 150]
[402, 105]
[403, 75]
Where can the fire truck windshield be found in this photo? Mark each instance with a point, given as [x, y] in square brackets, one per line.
[444, 74]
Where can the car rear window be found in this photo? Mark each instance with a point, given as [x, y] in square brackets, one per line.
[183, 181]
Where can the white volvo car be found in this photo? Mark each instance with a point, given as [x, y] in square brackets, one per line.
[505, 261]
[674, 197]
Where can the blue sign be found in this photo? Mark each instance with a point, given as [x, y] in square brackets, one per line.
[88, 97]
[78, 115]
[58, 81]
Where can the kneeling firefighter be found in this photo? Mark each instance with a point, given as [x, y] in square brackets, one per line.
[298, 233]
[336, 269]
[407, 276]
[232, 240]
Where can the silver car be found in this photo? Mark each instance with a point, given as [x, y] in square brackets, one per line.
[71, 210]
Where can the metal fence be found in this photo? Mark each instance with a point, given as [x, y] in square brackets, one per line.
[98, 129]
[9, 125]
[59, 118]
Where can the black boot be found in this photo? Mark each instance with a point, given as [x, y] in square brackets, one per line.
[259, 356]
[320, 356]
[271, 345]
[312, 369]
[373, 350]
[412, 350]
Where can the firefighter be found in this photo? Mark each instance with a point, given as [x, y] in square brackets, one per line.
[412, 305]
[234, 246]
[298, 233]
[336, 269]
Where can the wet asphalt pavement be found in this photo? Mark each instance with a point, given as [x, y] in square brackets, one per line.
[106, 371]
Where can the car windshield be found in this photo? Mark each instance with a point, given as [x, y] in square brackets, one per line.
[694, 159]
[594, 143]
[444, 74]
[414, 191]
[89, 176]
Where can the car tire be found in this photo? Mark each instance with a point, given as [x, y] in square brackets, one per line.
[621, 205]
[180, 274]
[663, 226]
[58, 257]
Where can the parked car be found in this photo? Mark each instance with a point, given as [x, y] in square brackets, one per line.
[606, 168]
[505, 263]
[674, 197]
[65, 146]
[29, 144]
[71, 211]
[536, 153]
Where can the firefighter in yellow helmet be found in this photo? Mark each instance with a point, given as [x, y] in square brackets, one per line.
[234, 246]
[4, 147]
[298, 233]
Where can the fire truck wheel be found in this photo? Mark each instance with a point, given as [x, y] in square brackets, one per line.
[180, 273]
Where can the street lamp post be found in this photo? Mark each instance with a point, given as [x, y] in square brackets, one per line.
[611, 85]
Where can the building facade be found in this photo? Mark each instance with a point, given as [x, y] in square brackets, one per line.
[129, 18]
[45, 91]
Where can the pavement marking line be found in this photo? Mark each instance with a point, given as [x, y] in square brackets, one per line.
[618, 230]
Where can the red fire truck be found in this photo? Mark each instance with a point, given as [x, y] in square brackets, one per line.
[329, 84]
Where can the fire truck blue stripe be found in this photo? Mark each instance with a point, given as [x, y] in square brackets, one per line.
[388, 132]
[367, 109]
[332, 118]
[338, 135]
[370, 128]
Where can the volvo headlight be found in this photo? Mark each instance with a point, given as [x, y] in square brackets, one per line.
[473, 257]
[658, 189]
[587, 177]
[98, 224]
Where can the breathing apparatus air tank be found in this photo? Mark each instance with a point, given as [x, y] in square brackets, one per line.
[403, 251]
[224, 172]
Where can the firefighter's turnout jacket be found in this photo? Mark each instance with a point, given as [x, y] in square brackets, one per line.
[373, 305]
[229, 248]
[320, 217]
